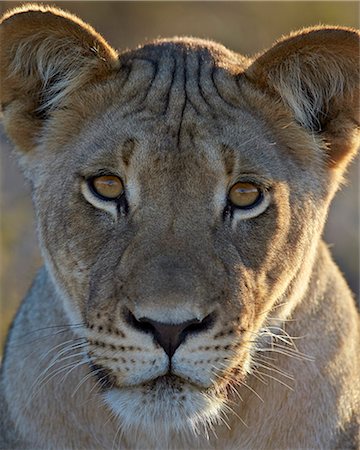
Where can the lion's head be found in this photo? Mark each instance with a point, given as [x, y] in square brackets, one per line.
[180, 193]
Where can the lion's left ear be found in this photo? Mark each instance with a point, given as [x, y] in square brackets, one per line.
[315, 73]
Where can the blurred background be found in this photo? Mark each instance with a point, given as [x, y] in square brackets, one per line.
[246, 27]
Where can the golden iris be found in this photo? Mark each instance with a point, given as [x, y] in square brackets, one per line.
[244, 195]
[109, 187]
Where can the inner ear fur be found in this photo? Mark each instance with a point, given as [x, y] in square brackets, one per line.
[315, 74]
[45, 55]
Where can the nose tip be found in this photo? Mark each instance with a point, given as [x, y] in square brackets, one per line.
[170, 336]
[167, 335]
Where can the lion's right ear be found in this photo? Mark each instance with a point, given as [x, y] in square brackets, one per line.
[45, 55]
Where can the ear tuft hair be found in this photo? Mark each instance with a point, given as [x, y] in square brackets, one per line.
[315, 73]
[306, 91]
[45, 55]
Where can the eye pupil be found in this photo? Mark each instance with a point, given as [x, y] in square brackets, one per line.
[108, 187]
[244, 195]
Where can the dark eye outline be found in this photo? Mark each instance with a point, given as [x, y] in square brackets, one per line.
[90, 183]
[260, 198]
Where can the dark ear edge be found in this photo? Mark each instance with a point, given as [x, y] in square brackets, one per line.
[315, 74]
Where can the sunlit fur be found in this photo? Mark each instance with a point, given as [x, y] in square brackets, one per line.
[272, 359]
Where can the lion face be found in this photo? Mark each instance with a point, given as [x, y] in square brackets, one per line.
[179, 206]
[172, 249]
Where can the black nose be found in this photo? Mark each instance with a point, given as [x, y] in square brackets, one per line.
[168, 335]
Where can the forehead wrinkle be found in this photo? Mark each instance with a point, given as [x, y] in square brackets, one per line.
[176, 79]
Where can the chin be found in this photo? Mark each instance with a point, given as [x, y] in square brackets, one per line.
[165, 406]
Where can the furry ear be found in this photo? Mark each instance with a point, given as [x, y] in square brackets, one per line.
[45, 55]
[315, 73]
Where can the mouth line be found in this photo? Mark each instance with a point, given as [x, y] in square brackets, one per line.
[107, 381]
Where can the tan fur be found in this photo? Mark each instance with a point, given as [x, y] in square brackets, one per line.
[180, 121]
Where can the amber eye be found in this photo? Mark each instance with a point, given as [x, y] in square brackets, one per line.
[108, 187]
[244, 195]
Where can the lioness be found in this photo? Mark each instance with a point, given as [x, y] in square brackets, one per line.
[187, 300]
